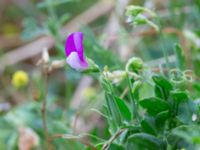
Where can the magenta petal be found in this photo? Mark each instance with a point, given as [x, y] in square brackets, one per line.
[75, 51]
[74, 43]
[75, 62]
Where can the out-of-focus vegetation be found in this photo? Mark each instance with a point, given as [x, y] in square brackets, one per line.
[144, 95]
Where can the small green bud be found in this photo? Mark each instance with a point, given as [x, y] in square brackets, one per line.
[134, 64]
[93, 67]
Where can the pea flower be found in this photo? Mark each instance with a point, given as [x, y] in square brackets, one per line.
[20, 79]
[74, 51]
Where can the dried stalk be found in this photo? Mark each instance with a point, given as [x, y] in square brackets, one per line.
[43, 111]
[81, 140]
[116, 135]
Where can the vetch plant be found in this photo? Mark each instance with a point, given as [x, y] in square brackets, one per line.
[143, 109]
[145, 122]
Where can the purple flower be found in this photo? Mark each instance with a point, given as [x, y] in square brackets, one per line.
[74, 51]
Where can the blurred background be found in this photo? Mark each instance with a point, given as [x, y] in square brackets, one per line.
[29, 26]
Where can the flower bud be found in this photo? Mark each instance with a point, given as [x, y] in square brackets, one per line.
[92, 67]
[134, 64]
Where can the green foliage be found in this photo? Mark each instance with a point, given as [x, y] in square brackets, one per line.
[154, 105]
[156, 117]
[144, 140]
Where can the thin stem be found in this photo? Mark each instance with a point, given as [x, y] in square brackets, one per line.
[134, 102]
[52, 13]
[165, 53]
[75, 122]
[81, 140]
[116, 135]
[124, 92]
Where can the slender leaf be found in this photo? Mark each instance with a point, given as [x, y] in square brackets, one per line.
[180, 57]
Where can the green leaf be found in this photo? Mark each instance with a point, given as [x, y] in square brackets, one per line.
[148, 127]
[113, 109]
[186, 110]
[158, 91]
[31, 29]
[124, 110]
[154, 105]
[161, 118]
[162, 82]
[190, 133]
[146, 90]
[146, 141]
[179, 96]
[180, 57]
[115, 147]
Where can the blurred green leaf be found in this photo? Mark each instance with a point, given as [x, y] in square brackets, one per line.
[146, 141]
[179, 96]
[114, 146]
[162, 82]
[190, 134]
[161, 117]
[114, 109]
[154, 105]
[148, 127]
[31, 29]
[186, 110]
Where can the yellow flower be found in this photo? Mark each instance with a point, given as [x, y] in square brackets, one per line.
[20, 79]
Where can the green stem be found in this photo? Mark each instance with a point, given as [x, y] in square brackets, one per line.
[52, 13]
[165, 53]
[134, 102]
